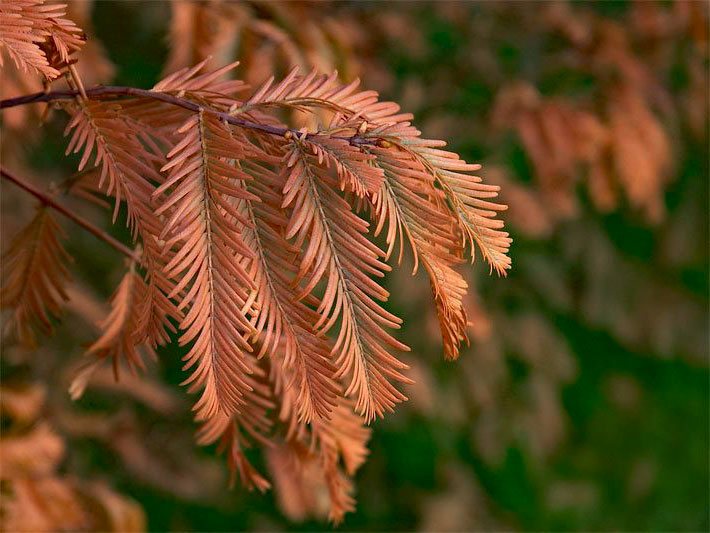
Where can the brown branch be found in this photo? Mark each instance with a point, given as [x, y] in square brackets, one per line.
[88, 226]
[116, 91]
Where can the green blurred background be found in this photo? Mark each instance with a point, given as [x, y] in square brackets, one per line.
[582, 402]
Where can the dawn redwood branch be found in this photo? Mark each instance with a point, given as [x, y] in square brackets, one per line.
[88, 226]
[115, 91]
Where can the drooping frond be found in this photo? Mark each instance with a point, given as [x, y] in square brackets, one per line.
[468, 198]
[99, 130]
[34, 277]
[37, 36]
[339, 252]
[120, 340]
[284, 323]
[417, 178]
[203, 225]
[414, 212]
[449, 289]
[474, 206]
[128, 173]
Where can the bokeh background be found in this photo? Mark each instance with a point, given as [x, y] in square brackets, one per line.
[582, 402]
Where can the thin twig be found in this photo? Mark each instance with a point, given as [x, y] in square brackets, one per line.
[115, 91]
[88, 226]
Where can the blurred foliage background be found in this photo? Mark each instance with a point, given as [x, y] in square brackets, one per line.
[582, 402]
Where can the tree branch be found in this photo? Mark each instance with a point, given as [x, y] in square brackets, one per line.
[88, 226]
[117, 91]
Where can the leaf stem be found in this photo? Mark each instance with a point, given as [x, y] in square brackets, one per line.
[85, 224]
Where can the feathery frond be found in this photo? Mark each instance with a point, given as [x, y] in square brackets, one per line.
[34, 277]
[37, 36]
[121, 338]
[413, 210]
[339, 252]
[469, 199]
[203, 225]
[284, 323]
